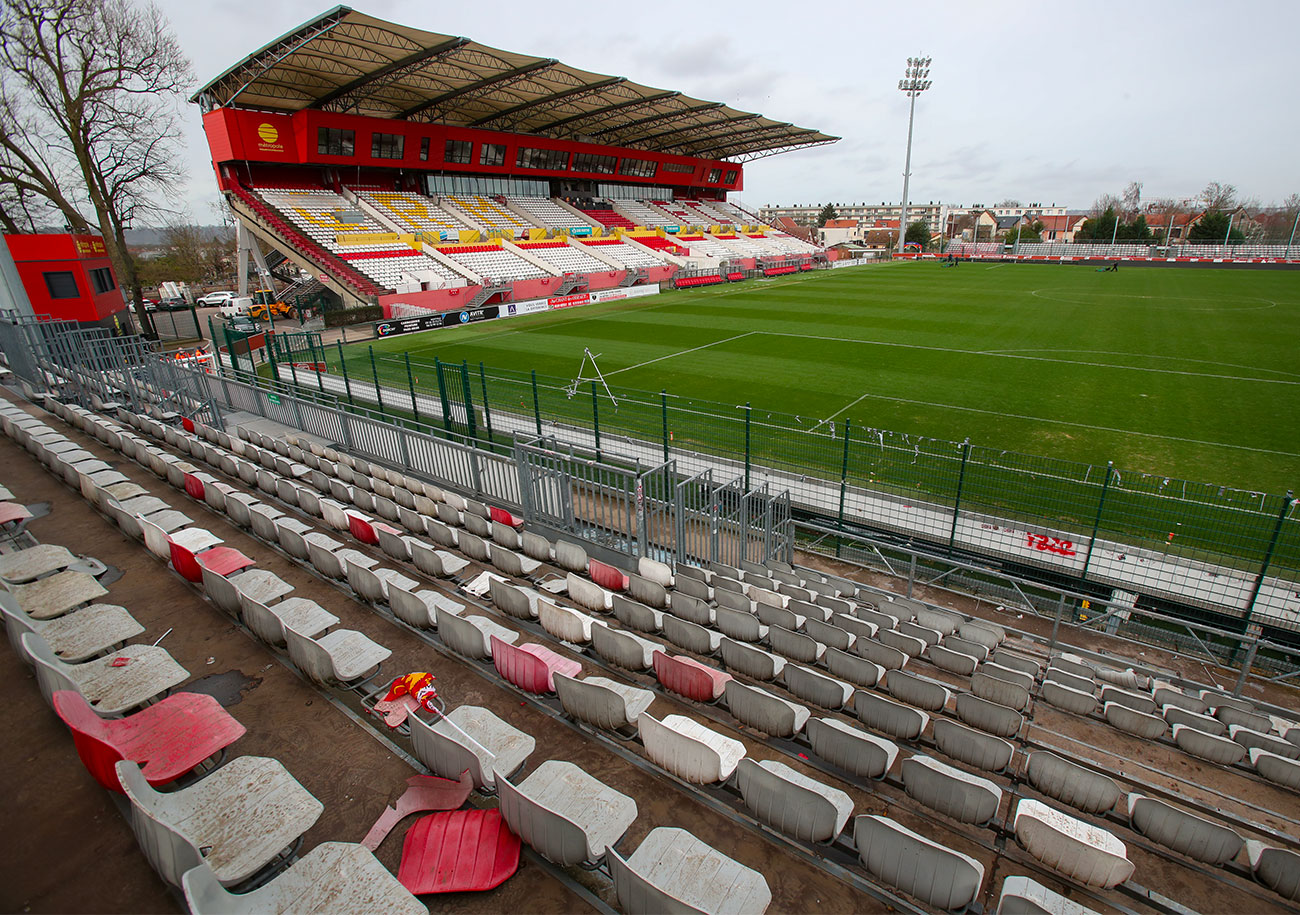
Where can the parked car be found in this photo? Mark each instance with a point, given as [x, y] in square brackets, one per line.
[174, 305]
[149, 304]
[216, 298]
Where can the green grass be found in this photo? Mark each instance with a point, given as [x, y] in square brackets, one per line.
[1186, 373]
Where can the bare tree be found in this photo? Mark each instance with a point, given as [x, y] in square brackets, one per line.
[1131, 201]
[1008, 202]
[90, 114]
[1219, 197]
[1103, 203]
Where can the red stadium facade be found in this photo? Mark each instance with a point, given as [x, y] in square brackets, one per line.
[425, 172]
[69, 278]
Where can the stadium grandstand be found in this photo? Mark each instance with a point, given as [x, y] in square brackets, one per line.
[406, 167]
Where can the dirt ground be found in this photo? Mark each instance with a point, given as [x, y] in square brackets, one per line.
[355, 775]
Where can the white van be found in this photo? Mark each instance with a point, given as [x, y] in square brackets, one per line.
[236, 308]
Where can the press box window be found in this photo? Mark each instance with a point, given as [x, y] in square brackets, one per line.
[387, 145]
[331, 141]
[730, 176]
[679, 168]
[639, 168]
[424, 149]
[62, 285]
[590, 162]
[458, 152]
[552, 159]
[715, 175]
[102, 280]
[492, 154]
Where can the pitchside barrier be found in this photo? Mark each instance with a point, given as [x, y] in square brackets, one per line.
[1217, 553]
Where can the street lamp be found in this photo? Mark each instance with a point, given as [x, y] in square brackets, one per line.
[914, 82]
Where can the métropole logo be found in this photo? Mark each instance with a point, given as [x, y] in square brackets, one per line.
[269, 136]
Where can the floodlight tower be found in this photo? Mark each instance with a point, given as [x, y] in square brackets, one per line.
[914, 82]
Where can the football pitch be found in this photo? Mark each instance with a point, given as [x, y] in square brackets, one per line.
[1186, 373]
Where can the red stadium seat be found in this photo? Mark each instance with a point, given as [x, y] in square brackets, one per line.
[166, 740]
[458, 851]
[605, 575]
[688, 677]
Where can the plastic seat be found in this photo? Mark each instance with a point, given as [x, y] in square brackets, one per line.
[936, 875]
[1077, 849]
[222, 560]
[74, 637]
[564, 814]
[166, 740]
[235, 821]
[112, 690]
[688, 677]
[601, 702]
[530, 667]
[458, 851]
[438, 563]
[470, 636]
[51, 597]
[470, 738]
[344, 657]
[688, 749]
[418, 608]
[564, 623]
[673, 871]
[26, 565]
[268, 622]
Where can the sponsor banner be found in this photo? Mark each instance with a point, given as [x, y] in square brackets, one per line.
[515, 309]
[440, 319]
[580, 231]
[672, 229]
[569, 301]
[312, 366]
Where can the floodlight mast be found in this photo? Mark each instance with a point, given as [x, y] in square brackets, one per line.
[914, 82]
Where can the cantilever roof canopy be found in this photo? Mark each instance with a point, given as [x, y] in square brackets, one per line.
[347, 62]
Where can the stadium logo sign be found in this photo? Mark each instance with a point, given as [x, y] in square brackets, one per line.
[269, 138]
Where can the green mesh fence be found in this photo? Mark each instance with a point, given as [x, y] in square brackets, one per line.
[1204, 545]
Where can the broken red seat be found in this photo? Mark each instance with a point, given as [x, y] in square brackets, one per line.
[362, 528]
[194, 487]
[605, 575]
[223, 560]
[688, 677]
[530, 666]
[167, 739]
[461, 851]
[187, 424]
[503, 516]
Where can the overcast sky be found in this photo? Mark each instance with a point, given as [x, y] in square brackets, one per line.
[1042, 102]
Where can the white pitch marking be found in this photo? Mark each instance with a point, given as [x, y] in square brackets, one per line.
[996, 355]
[1063, 422]
[683, 352]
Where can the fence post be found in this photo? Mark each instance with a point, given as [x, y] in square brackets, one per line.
[442, 394]
[317, 363]
[410, 383]
[663, 399]
[956, 505]
[595, 419]
[343, 366]
[844, 479]
[1268, 555]
[1056, 624]
[1245, 667]
[911, 574]
[1096, 524]
[374, 373]
[487, 411]
[471, 421]
[749, 414]
[537, 412]
[275, 368]
[293, 371]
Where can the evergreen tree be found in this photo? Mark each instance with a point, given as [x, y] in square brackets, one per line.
[828, 213]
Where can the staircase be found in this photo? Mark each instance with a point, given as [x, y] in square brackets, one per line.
[491, 288]
[570, 282]
[638, 275]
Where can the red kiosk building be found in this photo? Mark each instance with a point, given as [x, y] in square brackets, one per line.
[69, 277]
